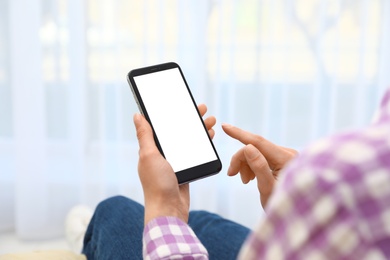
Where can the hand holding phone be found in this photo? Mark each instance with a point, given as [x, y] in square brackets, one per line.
[163, 97]
[162, 195]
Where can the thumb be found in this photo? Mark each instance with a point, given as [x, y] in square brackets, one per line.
[262, 171]
[144, 132]
[259, 166]
[253, 156]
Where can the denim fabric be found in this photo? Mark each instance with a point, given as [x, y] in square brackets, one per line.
[115, 232]
[221, 237]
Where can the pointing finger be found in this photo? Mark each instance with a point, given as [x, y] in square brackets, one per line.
[273, 153]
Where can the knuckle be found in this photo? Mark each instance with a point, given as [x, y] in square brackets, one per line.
[262, 164]
[259, 139]
[141, 132]
[145, 154]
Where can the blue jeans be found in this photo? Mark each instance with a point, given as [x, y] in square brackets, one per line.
[115, 232]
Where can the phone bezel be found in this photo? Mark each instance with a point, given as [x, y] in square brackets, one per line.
[190, 174]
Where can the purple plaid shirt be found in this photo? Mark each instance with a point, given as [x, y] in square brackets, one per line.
[332, 202]
[171, 238]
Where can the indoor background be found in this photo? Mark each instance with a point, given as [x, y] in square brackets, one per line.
[291, 71]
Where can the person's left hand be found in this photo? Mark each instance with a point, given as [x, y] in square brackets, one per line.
[163, 196]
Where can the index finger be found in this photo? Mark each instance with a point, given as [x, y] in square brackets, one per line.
[202, 108]
[271, 151]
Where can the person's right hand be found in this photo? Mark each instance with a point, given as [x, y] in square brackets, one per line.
[260, 159]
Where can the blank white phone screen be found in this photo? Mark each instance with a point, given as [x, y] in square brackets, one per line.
[175, 120]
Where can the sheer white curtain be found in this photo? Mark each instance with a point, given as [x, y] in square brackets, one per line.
[291, 71]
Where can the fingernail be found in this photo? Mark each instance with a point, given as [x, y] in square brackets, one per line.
[137, 117]
[226, 125]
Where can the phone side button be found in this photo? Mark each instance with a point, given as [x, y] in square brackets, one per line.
[139, 107]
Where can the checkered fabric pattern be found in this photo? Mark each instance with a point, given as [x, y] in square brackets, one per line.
[171, 238]
[333, 201]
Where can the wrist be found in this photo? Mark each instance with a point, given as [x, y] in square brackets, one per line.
[155, 210]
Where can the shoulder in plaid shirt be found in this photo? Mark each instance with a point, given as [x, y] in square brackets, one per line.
[333, 202]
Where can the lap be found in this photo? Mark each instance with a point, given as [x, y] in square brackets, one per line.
[117, 226]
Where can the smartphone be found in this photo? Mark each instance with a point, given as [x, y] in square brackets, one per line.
[164, 98]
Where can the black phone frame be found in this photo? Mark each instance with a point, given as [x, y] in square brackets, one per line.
[190, 174]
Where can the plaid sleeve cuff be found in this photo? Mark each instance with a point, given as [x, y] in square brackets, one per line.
[171, 238]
